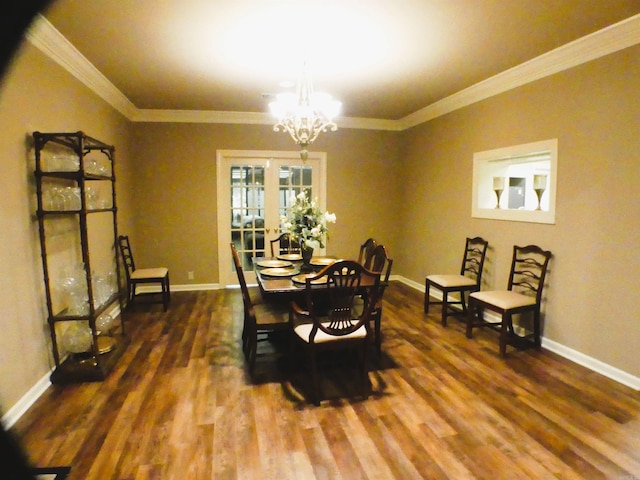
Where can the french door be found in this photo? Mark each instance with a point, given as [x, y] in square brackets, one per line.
[254, 188]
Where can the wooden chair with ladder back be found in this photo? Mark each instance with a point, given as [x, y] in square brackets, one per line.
[467, 281]
[523, 295]
[144, 277]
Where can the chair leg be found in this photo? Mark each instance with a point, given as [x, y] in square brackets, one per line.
[445, 307]
[426, 296]
[472, 311]
[252, 348]
[505, 332]
[365, 373]
[378, 329]
[315, 387]
[166, 293]
[536, 329]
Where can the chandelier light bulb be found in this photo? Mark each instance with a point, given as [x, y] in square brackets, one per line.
[305, 114]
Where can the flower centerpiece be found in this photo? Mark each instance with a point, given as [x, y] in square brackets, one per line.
[306, 223]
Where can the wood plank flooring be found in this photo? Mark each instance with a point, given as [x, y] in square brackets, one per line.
[180, 405]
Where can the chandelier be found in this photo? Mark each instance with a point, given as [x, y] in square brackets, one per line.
[304, 114]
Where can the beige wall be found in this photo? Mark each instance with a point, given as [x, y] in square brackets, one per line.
[593, 110]
[36, 94]
[175, 190]
[411, 190]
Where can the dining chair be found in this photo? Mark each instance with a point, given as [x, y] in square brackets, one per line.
[260, 320]
[467, 281]
[366, 251]
[284, 244]
[337, 325]
[143, 276]
[380, 262]
[523, 294]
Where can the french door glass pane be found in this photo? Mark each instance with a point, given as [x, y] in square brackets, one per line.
[247, 211]
[293, 180]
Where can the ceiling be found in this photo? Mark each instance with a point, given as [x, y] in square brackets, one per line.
[384, 59]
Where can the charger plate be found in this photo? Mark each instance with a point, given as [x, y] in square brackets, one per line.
[273, 263]
[322, 261]
[279, 272]
[294, 257]
[302, 279]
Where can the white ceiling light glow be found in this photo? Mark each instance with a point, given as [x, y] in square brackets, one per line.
[305, 114]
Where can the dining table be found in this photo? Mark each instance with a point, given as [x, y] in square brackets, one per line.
[281, 276]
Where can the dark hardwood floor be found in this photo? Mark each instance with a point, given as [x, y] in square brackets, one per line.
[181, 406]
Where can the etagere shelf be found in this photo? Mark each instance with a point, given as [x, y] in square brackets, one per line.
[77, 218]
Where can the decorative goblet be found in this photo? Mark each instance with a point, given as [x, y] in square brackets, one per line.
[539, 186]
[498, 188]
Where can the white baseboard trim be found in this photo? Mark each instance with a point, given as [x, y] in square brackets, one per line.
[593, 364]
[15, 412]
[575, 356]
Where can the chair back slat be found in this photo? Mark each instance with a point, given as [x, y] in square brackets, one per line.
[473, 259]
[528, 270]
[127, 255]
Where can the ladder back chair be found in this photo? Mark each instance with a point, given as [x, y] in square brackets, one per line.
[143, 276]
[524, 294]
[259, 319]
[337, 325]
[467, 281]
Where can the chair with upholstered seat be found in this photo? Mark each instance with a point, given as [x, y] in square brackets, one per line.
[260, 320]
[337, 325]
[523, 294]
[283, 244]
[366, 252]
[143, 276]
[467, 281]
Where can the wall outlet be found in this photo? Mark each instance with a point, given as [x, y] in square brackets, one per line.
[190, 275]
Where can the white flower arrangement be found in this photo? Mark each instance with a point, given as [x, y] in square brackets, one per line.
[305, 221]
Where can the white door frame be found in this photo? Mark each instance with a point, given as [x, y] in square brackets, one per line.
[224, 160]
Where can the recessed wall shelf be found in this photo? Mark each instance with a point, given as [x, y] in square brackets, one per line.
[516, 183]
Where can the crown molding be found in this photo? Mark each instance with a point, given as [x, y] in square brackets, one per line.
[45, 37]
[590, 47]
[611, 39]
[248, 118]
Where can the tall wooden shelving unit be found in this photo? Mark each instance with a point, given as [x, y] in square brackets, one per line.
[72, 170]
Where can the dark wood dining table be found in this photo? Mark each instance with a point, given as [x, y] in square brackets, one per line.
[287, 281]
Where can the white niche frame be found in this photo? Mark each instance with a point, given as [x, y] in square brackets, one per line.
[523, 161]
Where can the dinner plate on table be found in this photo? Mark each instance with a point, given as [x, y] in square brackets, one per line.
[322, 261]
[293, 257]
[302, 279]
[273, 263]
[279, 272]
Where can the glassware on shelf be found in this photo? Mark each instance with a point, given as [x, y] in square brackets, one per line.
[92, 198]
[74, 287]
[77, 338]
[104, 324]
[58, 159]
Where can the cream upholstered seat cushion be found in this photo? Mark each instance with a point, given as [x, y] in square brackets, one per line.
[143, 273]
[304, 330]
[451, 280]
[505, 299]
